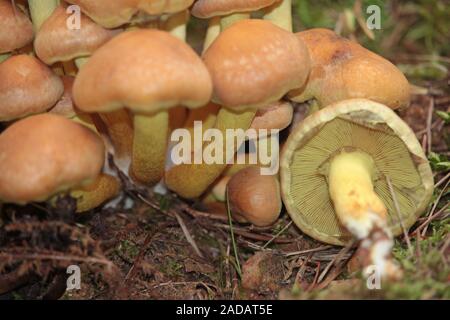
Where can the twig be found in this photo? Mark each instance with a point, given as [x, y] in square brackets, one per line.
[336, 260]
[436, 202]
[230, 221]
[399, 216]
[277, 235]
[429, 122]
[187, 234]
[298, 253]
[68, 258]
[438, 184]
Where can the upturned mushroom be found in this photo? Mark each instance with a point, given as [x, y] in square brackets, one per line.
[17, 29]
[149, 72]
[27, 86]
[355, 169]
[253, 63]
[255, 197]
[342, 69]
[47, 155]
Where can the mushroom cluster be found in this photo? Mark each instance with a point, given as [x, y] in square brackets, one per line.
[84, 79]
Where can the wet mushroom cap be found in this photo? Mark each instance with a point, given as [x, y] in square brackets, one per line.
[56, 42]
[16, 28]
[343, 69]
[65, 107]
[255, 197]
[27, 86]
[146, 71]
[353, 125]
[254, 63]
[46, 154]
[210, 8]
[275, 116]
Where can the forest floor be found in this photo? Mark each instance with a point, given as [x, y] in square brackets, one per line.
[163, 248]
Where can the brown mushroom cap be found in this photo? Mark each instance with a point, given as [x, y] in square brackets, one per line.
[275, 116]
[27, 86]
[254, 196]
[65, 107]
[112, 14]
[56, 42]
[46, 154]
[342, 69]
[254, 63]
[16, 28]
[107, 13]
[210, 8]
[144, 70]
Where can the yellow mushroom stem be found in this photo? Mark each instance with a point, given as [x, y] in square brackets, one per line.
[212, 33]
[228, 21]
[280, 14]
[176, 24]
[88, 197]
[40, 10]
[149, 147]
[360, 210]
[192, 180]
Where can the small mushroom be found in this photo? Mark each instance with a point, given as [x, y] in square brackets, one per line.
[276, 116]
[342, 69]
[55, 42]
[149, 72]
[27, 86]
[255, 197]
[113, 14]
[66, 108]
[47, 155]
[17, 29]
[253, 63]
[231, 11]
[336, 170]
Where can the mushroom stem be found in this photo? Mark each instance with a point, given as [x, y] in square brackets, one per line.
[40, 10]
[4, 56]
[192, 180]
[149, 147]
[359, 208]
[212, 33]
[280, 14]
[177, 24]
[228, 21]
[120, 130]
[104, 188]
